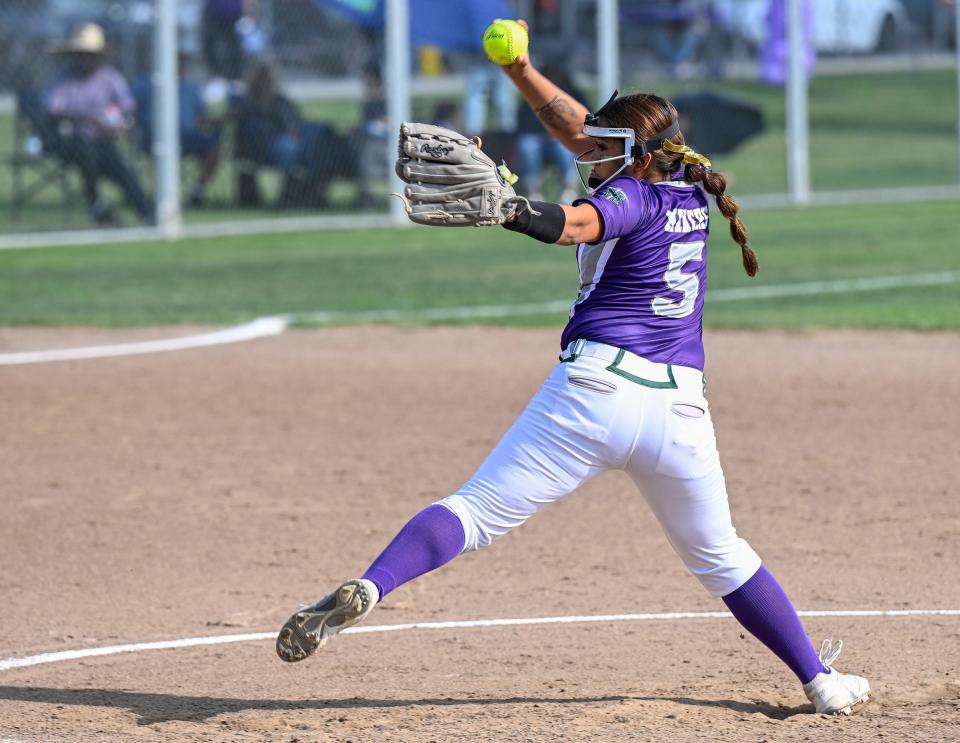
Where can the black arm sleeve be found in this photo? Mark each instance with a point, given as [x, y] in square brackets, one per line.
[546, 227]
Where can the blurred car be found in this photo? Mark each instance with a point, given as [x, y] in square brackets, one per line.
[935, 22]
[839, 26]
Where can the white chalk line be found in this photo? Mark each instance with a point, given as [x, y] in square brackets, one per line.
[737, 294]
[65, 655]
[274, 325]
[264, 326]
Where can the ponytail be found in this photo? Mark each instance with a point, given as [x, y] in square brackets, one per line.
[716, 185]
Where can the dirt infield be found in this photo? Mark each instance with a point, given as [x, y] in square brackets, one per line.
[210, 492]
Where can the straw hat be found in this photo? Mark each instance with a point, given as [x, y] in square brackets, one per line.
[87, 38]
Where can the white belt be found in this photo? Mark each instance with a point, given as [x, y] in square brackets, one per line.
[636, 368]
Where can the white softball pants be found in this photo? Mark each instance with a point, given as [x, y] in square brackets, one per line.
[597, 412]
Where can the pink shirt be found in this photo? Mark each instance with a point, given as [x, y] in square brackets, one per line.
[102, 96]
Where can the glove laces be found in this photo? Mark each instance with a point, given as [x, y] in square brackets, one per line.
[440, 213]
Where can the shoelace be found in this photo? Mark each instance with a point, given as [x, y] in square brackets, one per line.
[830, 651]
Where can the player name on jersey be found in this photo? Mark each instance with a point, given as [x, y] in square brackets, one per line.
[686, 220]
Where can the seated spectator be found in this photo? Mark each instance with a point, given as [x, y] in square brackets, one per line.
[199, 131]
[91, 106]
[536, 148]
[223, 49]
[271, 131]
[370, 138]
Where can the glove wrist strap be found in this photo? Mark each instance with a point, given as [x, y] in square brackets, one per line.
[541, 220]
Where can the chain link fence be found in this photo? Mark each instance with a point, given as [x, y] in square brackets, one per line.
[280, 103]
[283, 104]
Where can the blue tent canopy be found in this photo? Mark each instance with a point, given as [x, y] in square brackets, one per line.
[451, 25]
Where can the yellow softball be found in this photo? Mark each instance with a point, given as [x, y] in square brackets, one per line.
[504, 41]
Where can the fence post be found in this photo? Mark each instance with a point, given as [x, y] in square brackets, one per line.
[608, 49]
[166, 144]
[397, 79]
[956, 45]
[798, 116]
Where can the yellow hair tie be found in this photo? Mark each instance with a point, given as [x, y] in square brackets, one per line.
[690, 157]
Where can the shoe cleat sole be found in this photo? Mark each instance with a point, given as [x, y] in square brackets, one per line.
[310, 628]
[849, 709]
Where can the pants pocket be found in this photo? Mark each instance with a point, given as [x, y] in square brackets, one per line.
[585, 403]
[689, 448]
[593, 384]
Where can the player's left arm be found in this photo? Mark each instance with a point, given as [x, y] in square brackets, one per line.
[558, 224]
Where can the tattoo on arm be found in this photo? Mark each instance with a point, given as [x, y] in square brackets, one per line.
[558, 114]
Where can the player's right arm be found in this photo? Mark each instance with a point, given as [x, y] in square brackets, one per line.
[560, 112]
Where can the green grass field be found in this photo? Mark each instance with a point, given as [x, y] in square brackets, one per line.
[235, 279]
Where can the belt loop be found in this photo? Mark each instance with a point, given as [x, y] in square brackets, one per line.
[577, 347]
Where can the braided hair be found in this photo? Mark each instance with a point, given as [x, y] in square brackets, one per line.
[647, 114]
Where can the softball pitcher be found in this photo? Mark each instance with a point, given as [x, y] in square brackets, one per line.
[628, 391]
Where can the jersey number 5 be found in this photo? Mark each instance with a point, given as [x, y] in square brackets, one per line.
[686, 283]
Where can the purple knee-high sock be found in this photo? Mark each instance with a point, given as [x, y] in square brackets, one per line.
[764, 609]
[430, 539]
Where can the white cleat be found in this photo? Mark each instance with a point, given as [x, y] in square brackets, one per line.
[311, 627]
[835, 693]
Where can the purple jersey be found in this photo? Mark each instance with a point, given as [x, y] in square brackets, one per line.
[642, 283]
